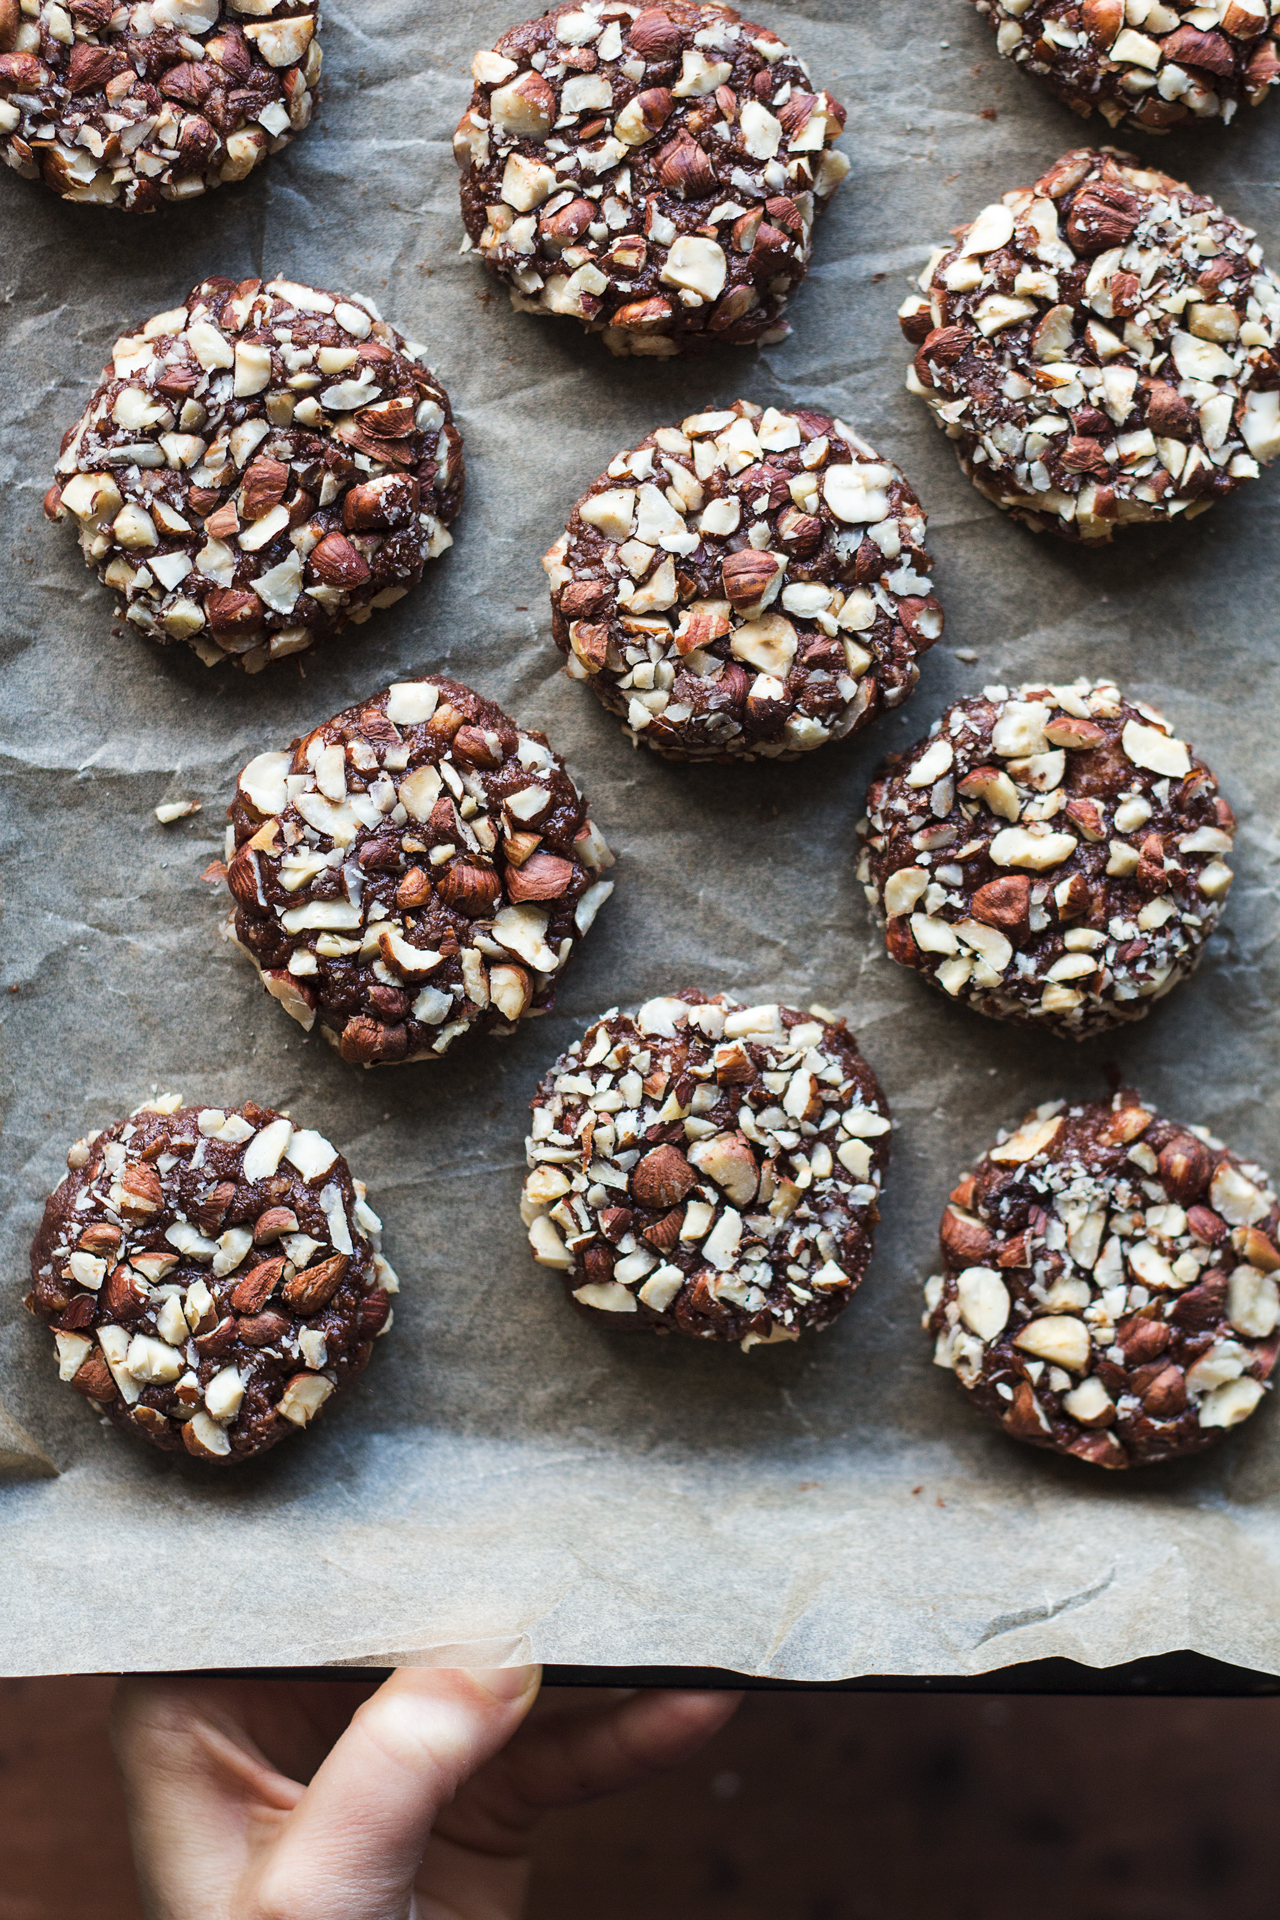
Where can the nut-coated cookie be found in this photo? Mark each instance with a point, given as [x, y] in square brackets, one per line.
[1101, 348]
[1144, 64]
[126, 105]
[414, 872]
[652, 173]
[260, 466]
[705, 1168]
[751, 582]
[1048, 854]
[212, 1276]
[1109, 1287]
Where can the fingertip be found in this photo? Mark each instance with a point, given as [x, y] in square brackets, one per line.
[674, 1722]
[507, 1683]
[404, 1756]
[711, 1706]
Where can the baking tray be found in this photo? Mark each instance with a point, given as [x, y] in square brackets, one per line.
[507, 1482]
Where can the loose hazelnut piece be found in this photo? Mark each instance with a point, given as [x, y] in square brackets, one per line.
[261, 1281]
[748, 576]
[274, 1222]
[1004, 903]
[336, 563]
[126, 1294]
[101, 1237]
[375, 1313]
[263, 1329]
[964, 1237]
[140, 1191]
[1207, 1226]
[1127, 1122]
[309, 1291]
[415, 889]
[727, 1159]
[543, 876]
[264, 486]
[665, 1233]
[93, 1379]
[1185, 1167]
[655, 36]
[662, 1178]
[474, 891]
[212, 1210]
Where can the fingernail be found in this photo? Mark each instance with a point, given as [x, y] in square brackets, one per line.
[506, 1683]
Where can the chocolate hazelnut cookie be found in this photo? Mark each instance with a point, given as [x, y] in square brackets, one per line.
[751, 582]
[651, 173]
[414, 872]
[260, 466]
[1101, 348]
[1148, 64]
[706, 1168]
[212, 1276]
[1048, 854]
[1109, 1287]
[126, 105]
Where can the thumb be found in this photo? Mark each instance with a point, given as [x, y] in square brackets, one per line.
[352, 1845]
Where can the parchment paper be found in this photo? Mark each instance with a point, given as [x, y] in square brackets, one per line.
[507, 1482]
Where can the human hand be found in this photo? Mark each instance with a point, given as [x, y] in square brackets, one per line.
[415, 1800]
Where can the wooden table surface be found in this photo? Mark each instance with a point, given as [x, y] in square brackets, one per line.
[808, 1807]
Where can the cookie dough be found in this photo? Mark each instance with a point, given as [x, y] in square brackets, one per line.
[1100, 347]
[414, 872]
[1048, 854]
[1109, 1287]
[652, 172]
[128, 105]
[259, 467]
[706, 1168]
[1147, 64]
[212, 1276]
[751, 582]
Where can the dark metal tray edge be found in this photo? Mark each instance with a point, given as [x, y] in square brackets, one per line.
[1183, 1675]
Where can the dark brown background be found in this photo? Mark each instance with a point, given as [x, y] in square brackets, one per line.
[506, 1469]
[807, 1807]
